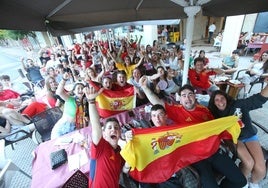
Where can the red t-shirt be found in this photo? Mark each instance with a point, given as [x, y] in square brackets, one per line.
[178, 114]
[117, 87]
[88, 63]
[200, 80]
[8, 94]
[105, 165]
[123, 55]
[77, 49]
[51, 101]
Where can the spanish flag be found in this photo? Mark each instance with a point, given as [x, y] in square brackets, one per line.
[111, 102]
[155, 154]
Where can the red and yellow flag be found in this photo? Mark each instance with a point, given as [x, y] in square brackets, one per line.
[155, 154]
[113, 102]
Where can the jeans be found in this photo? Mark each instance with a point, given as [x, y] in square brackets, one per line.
[224, 165]
[210, 34]
[170, 183]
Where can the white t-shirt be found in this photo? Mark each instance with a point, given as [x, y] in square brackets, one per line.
[173, 63]
[212, 28]
[52, 63]
[257, 67]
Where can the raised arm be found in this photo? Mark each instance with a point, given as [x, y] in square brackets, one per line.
[120, 49]
[110, 55]
[96, 132]
[153, 98]
[60, 90]
[74, 76]
[23, 64]
[154, 76]
[103, 70]
[140, 61]
[138, 42]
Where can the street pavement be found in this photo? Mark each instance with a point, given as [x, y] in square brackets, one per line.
[10, 60]
[23, 149]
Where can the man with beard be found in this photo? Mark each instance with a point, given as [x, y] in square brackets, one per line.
[187, 113]
[159, 118]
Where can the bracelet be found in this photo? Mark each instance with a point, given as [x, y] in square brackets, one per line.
[65, 79]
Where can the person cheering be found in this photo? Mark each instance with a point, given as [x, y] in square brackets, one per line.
[248, 147]
[106, 162]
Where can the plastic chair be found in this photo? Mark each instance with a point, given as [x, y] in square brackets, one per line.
[259, 80]
[7, 168]
[265, 151]
[26, 81]
[30, 84]
[45, 121]
[39, 84]
[24, 135]
[217, 44]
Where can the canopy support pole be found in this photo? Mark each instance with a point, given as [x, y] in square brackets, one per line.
[191, 11]
[58, 8]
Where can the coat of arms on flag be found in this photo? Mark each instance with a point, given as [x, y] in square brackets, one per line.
[111, 102]
[155, 154]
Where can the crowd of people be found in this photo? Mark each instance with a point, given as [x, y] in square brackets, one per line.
[66, 78]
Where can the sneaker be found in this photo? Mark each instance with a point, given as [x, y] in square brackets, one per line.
[254, 185]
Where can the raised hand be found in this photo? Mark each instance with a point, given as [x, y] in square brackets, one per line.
[91, 93]
[129, 135]
[66, 76]
[143, 81]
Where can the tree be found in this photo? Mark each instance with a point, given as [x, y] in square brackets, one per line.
[19, 35]
[16, 35]
[3, 34]
[3, 37]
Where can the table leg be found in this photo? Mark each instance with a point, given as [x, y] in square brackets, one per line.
[234, 90]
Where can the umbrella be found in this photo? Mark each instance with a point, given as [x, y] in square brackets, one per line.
[70, 16]
[73, 16]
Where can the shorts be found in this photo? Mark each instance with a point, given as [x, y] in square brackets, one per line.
[67, 127]
[62, 128]
[250, 139]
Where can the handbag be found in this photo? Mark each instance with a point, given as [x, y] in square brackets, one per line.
[58, 158]
[77, 180]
